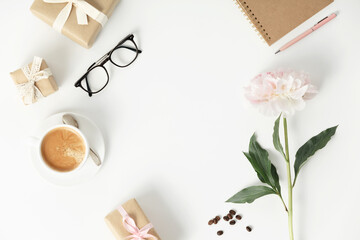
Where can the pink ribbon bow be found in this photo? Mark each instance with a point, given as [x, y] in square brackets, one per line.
[130, 226]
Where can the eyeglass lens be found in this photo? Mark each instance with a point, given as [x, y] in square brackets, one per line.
[124, 55]
[97, 79]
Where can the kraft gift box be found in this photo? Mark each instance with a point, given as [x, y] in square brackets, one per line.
[114, 220]
[84, 35]
[46, 86]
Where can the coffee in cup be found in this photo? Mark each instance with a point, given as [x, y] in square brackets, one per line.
[63, 148]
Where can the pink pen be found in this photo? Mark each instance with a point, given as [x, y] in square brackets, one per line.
[301, 36]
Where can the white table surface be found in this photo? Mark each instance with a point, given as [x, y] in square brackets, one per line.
[175, 124]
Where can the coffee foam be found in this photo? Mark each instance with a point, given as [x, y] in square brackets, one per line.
[63, 149]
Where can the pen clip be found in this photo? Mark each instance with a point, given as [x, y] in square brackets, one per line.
[322, 20]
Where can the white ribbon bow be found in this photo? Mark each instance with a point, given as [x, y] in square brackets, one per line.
[28, 91]
[83, 9]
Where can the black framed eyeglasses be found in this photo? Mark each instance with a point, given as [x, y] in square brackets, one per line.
[97, 77]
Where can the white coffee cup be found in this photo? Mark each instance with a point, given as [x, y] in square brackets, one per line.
[37, 143]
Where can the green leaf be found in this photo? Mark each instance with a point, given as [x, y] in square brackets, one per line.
[257, 169]
[310, 147]
[248, 195]
[276, 178]
[276, 138]
[259, 159]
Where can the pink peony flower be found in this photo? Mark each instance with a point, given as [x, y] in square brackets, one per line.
[280, 92]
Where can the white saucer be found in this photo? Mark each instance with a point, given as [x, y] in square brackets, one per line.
[89, 169]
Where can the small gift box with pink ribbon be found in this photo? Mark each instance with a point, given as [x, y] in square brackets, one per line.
[79, 20]
[129, 221]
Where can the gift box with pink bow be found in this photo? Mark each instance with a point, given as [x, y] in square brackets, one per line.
[79, 20]
[129, 221]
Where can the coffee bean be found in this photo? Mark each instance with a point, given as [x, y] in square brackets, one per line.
[232, 222]
[217, 218]
[220, 233]
[238, 217]
[226, 218]
[232, 212]
[211, 222]
[248, 229]
[230, 216]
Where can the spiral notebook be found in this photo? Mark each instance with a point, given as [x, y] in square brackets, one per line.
[273, 19]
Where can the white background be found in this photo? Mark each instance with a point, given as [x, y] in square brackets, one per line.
[175, 124]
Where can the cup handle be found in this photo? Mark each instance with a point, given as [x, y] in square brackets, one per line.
[33, 141]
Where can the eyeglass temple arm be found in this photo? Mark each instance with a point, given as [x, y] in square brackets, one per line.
[78, 82]
[130, 48]
[102, 60]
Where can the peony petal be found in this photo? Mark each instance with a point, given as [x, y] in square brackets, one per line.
[299, 93]
[310, 93]
[299, 105]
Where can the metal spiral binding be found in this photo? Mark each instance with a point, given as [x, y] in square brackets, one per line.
[264, 36]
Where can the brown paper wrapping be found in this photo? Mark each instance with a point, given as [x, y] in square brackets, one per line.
[46, 86]
[114, 220]
[84, 35]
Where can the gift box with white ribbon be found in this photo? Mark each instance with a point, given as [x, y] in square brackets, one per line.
[79, 20]
[34, 81]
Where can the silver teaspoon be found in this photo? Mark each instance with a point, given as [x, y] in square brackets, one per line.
[70, 120]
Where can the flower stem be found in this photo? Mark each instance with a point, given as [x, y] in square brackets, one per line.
[290, 186]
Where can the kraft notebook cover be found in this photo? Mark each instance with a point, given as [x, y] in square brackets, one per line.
[273, 19]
